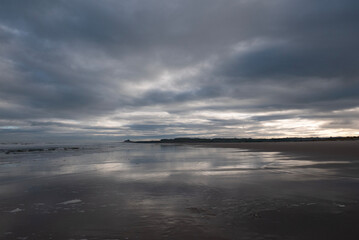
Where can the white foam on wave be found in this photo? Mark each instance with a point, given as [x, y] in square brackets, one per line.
[16, 210]
[71, 202]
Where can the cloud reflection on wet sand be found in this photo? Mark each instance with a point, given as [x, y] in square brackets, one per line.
[139, 191]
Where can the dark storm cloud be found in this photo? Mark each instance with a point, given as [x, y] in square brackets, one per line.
[295, 60]
[106, 66]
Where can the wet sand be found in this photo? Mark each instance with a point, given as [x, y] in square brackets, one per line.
[154, 191]
[315, 149]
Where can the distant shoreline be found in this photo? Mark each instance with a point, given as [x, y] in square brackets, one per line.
[247, 140]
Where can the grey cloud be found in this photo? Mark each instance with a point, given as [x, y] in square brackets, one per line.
[93, 60]
[292, 60]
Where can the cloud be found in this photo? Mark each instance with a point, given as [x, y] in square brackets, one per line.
[156, 68]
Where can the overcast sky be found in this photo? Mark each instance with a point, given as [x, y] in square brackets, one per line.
[189, 68]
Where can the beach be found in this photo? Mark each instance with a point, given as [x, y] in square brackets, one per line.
[306, 190]
[318, 149]
[179, 120]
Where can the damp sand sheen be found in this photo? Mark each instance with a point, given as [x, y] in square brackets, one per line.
[170, 191]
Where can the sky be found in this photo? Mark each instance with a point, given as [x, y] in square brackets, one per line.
[151, 69]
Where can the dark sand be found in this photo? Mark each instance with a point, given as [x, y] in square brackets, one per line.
[317, 149]
[215, 191]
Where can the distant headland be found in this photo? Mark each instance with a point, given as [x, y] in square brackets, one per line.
[245, 140]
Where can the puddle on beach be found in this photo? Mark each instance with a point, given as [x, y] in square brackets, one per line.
[149, 191]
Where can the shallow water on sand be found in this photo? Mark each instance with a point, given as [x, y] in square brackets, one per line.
[152, 191]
